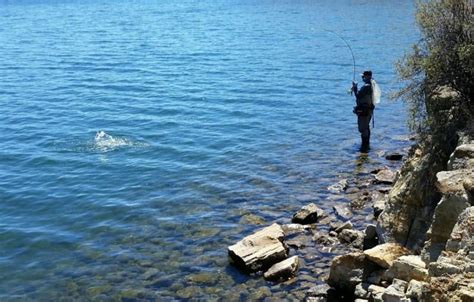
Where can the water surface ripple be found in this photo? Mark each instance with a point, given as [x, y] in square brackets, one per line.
[137, 135]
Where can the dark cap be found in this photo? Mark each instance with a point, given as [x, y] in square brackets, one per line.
[367, 73]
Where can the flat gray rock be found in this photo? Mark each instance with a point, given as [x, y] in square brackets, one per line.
[385, 176]
[260, 250]
[283, 270]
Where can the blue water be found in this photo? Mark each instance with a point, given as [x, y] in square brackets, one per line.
[135, 135]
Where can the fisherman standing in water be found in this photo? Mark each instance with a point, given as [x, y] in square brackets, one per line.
[365, 108]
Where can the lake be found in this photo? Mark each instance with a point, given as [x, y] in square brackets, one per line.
[141, 138]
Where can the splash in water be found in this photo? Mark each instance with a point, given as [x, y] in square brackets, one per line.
[104, 142]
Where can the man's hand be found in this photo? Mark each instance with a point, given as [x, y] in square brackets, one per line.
[354, 86]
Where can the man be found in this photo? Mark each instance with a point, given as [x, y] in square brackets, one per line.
[365, 108]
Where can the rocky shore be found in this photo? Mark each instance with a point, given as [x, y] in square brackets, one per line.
[420, 248]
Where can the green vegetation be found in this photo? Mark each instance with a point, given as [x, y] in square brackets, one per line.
[442, 60]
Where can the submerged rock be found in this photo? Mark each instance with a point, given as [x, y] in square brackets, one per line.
[260, 250]
[385, 254]
[283, 270]
[343, 211]
[308, 214]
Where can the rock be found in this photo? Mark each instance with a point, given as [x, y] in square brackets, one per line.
[339, 227]
[295, 228]
[415, 289]
[376, 292]
[349, 270]
[361, 290]
[468, 185]
[370, 237]
[395, 292]
[352, 190]
[260, 250]
[251, 219]
[452, 181]
[379, 203]
[462, 157]
[437, 269]
[445, 217]
[463, 231]
[283, 270]
[361, 300]
[324, 239]
[376, 277]
[407, 268]
[342, 211]
[385, 176]
[320, 290]
[394, 156]
[349, 236]
[308, 214]
[339, 187]
[370, 232]
[385, 254]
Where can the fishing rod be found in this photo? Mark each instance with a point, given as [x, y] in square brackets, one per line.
[350, 48]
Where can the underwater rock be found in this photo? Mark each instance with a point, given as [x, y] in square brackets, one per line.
[342, 211]
[260, 250]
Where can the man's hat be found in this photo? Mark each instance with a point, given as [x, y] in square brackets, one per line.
[367, 73]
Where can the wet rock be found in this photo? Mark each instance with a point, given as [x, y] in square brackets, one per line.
[283, 270]
[351, 236]
[295, 228]
[463, 232]
[342, 211]
[379, 203]
[370, 237]
[339, 187]
[308, 214]
[385, 254]
[395, 292]
[408, 268]
[260, 250]
[320, 290]
[394, 156]
[340, 226]
[299, 241]
[349, 270]
[385, 176]
[324, 239]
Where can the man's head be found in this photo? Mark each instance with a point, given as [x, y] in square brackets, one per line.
[366, 76]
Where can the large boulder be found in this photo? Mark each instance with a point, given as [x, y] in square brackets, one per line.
[260, 250]
[452, 181]
[349, 270]
[283, 270]
[463, 232]
[310, 213]
[445, 217]
[462, 157]
[385, 254]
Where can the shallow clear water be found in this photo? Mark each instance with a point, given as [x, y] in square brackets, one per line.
[137, 137]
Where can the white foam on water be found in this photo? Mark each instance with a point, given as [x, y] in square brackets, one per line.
[104, 142]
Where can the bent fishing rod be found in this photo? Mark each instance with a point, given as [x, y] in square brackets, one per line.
[350, 48]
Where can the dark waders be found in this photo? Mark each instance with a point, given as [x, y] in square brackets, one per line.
[363, 123]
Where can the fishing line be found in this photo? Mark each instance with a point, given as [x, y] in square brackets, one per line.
[350, 48]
